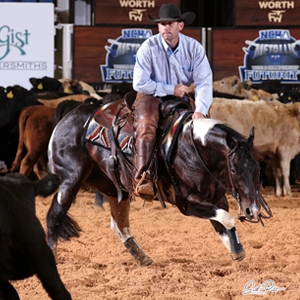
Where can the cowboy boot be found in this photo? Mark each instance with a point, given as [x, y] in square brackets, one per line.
[146, 116]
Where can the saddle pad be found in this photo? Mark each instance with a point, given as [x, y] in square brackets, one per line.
[101, 136]
[170, 139]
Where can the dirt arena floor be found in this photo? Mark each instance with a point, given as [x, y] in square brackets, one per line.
[190, 261]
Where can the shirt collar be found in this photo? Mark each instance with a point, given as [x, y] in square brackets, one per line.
[167, 47]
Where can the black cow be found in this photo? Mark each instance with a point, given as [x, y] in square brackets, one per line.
[66, 106]
[23, 247]
[51, 88]
[12, 100]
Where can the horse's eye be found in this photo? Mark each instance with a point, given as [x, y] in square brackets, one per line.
[232, 171]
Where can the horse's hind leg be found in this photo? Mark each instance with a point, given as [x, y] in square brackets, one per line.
[229, 236]
[59, 223]
[120, 225]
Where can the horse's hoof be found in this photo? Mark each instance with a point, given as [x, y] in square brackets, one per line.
[239, 255]
[137, 253]
[147, 261]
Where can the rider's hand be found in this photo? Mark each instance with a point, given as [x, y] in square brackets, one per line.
[198, 115]
[180, 90]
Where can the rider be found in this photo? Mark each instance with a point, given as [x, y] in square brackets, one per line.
[166, 65]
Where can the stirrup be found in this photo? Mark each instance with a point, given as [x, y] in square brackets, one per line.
[143, 196]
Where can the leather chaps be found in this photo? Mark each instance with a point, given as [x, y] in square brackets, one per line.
[146, 118]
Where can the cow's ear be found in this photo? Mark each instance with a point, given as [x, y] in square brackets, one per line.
[250, 138]
[235, 82]
[246, 93]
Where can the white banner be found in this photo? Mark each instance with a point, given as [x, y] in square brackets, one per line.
[26, 42]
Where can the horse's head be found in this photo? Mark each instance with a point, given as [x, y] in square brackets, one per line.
[243, 172]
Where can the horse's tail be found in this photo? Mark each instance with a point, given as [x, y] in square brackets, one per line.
[22, 124]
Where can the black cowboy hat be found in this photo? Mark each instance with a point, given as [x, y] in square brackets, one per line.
[171, 13]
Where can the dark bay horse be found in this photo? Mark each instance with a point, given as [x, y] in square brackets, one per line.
[208, 159]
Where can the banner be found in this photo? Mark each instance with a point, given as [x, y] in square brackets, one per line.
[120, 58]
[26, 42]
[274, 55]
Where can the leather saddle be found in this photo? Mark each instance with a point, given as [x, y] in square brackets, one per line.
[118, 116]
[120, 112]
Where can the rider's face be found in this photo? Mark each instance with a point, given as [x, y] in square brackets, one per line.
[170, 30]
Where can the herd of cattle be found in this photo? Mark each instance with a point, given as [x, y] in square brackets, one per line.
[28, 117]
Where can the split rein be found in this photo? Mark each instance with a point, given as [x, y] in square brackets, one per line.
[237, 195]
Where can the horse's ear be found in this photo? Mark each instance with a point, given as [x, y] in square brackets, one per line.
[251, 136]
[230, 141]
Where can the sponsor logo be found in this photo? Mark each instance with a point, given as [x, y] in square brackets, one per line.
[23, 65]
[278, 8]
[274, 55]
[120, 57]
[9, 40]
[139, 7]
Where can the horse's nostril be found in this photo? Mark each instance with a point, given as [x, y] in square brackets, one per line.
[249, 211]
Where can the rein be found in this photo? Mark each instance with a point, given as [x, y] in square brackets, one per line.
[236, 194]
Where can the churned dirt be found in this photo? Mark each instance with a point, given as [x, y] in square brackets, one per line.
[190, 261]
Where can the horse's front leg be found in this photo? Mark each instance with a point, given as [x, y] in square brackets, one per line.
[228, 234]
[221, 220]
[120, 225]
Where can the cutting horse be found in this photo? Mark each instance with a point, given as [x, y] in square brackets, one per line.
[196, 163]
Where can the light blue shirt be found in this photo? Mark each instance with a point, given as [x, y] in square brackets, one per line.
[158, 69]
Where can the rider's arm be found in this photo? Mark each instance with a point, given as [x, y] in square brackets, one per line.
[202, 82]
[144, 71]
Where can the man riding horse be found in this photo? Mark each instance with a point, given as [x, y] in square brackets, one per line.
[166, 65]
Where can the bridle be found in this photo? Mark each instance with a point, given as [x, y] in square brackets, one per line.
[235, 194]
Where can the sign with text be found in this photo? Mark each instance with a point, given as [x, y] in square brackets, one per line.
[128, 11]
[120, 58]
[274, 55]
[26, 42]
[267, 12]
[257, 55]
[103, 54]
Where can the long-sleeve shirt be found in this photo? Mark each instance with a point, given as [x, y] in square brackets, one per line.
[158, 69]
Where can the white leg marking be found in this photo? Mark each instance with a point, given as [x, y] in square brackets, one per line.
[224, 218]
[50, 158]
[114, 227]
[59, 197]
[225, 239]
[202, 127]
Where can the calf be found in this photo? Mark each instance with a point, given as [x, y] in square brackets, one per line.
[51, 88]
[231, 85]
[12, 100]
[35, 129]
[23, 247]
[85, 87]
[55, 102]
[277, 131]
